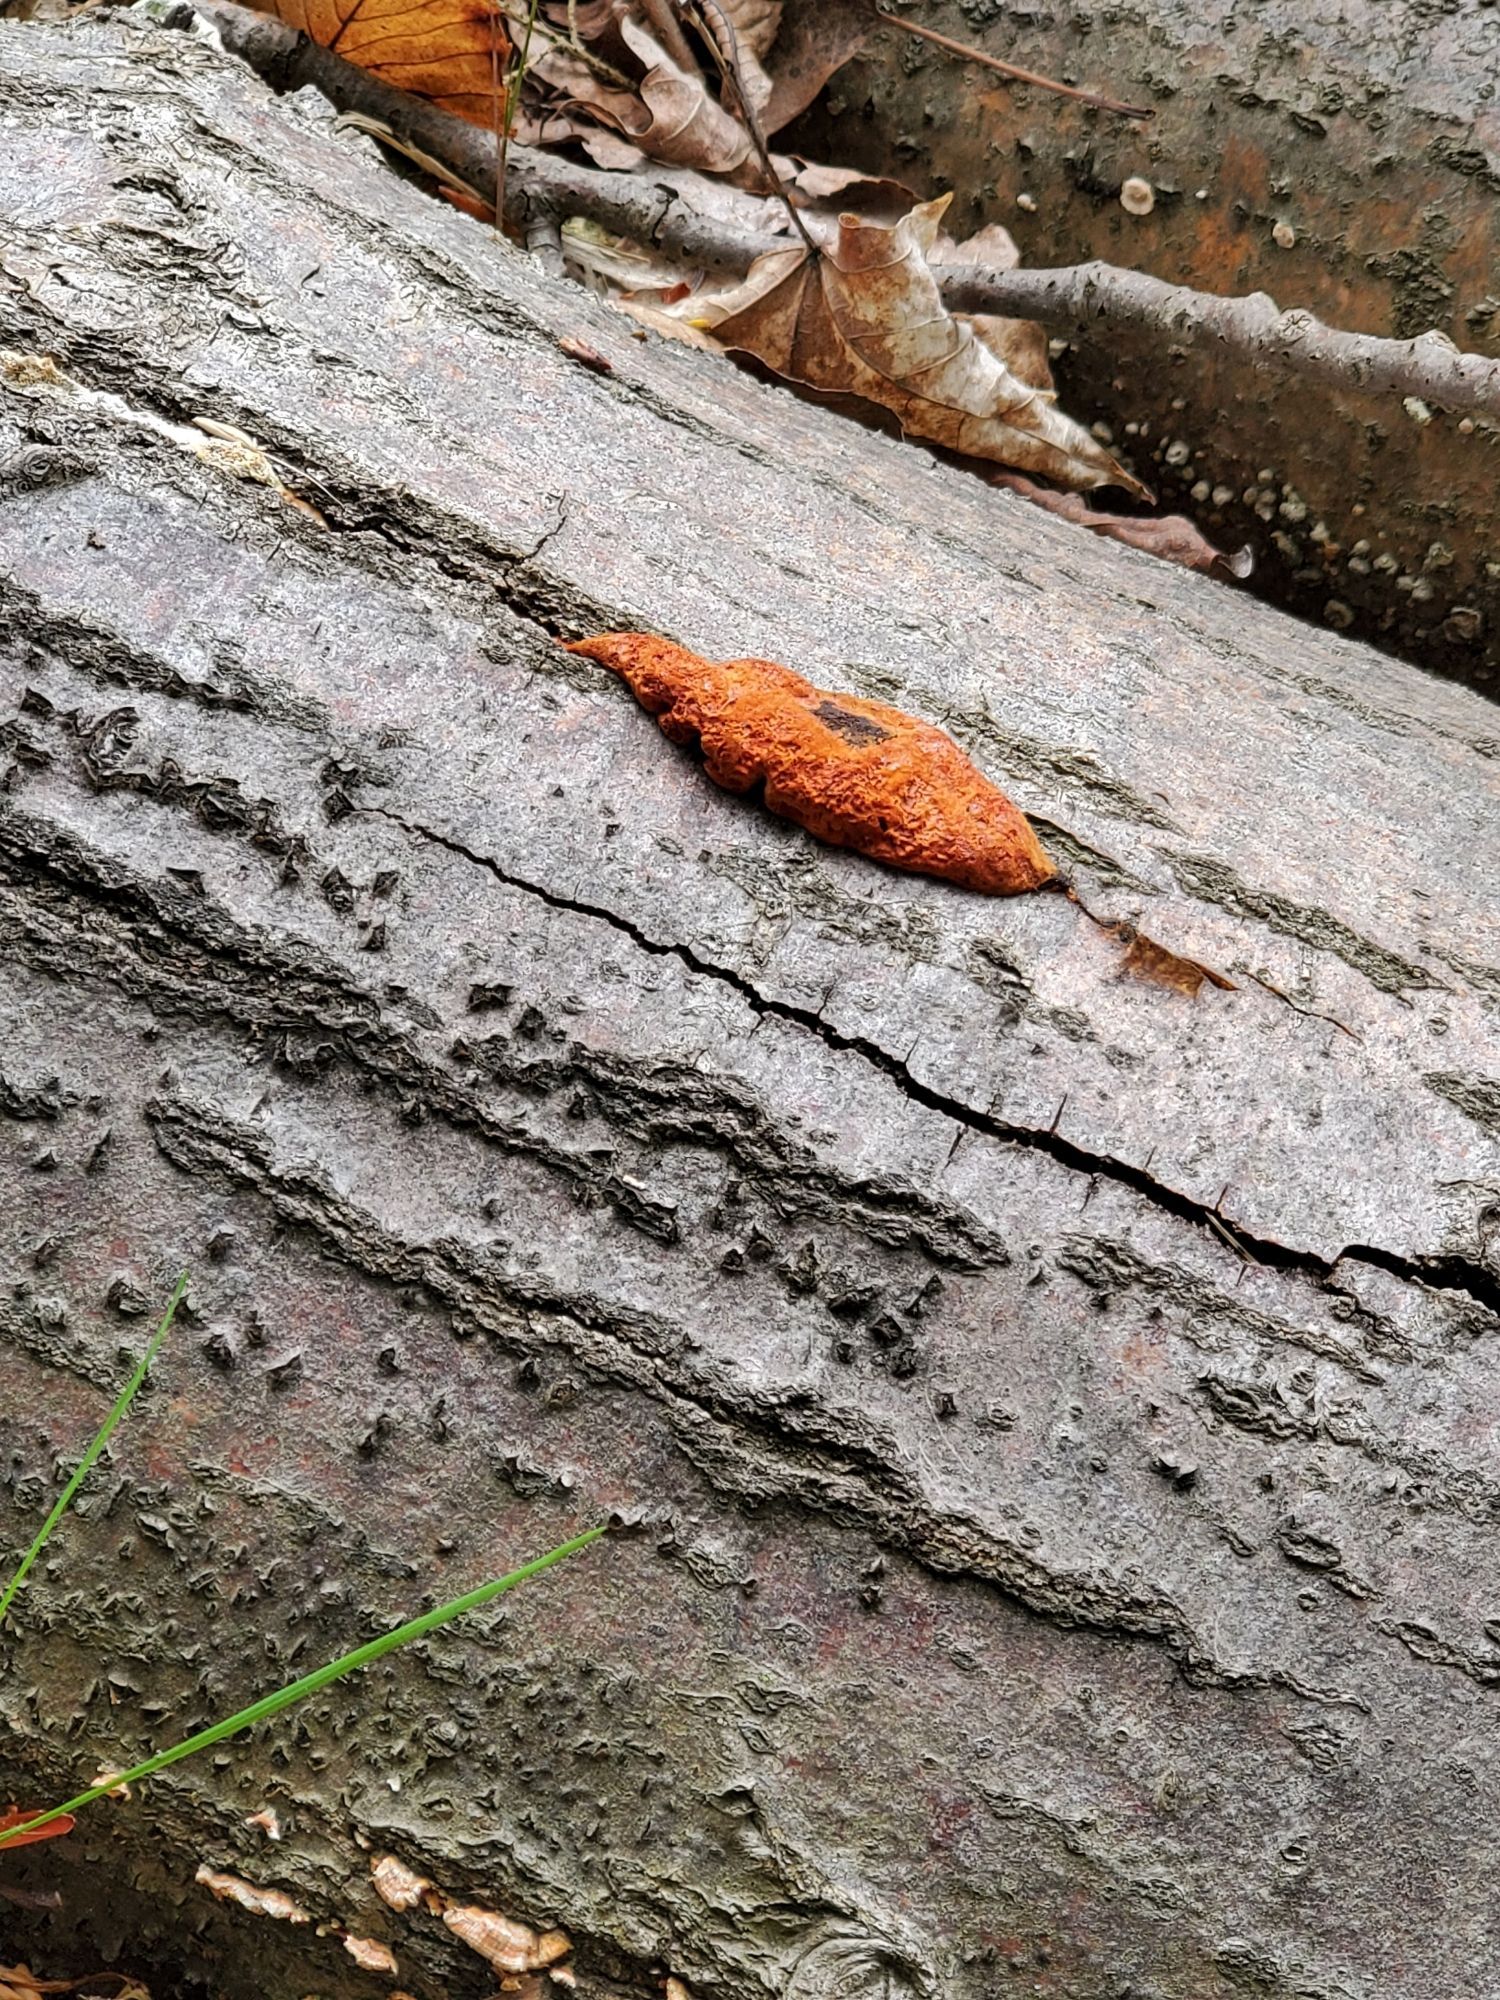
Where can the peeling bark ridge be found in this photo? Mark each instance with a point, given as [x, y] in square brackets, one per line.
[1055, 1414]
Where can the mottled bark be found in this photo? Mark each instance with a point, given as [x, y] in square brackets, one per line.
[1344, 160]
[1058, 1416]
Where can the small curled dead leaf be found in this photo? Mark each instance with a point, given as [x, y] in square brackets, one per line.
[1173, 537]
[588, 357]
[1146, 959]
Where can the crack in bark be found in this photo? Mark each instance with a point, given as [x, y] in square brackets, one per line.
[1443, 1272]
[1212, 882]
[186, 956]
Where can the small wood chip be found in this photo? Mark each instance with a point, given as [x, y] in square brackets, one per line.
[579, 350]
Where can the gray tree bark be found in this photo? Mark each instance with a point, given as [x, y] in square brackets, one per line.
[1057, 1416]
[1344, 160]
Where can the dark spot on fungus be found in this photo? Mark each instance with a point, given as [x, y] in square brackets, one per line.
[852, 727]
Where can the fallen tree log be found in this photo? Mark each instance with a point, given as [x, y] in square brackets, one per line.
[1346, 164]
[1055, 1414]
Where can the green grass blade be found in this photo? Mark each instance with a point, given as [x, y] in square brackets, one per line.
[122, 1403]
[310, 1684]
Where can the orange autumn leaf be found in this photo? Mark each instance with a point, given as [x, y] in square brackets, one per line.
[18, 1816]
[852, 772]
[454, 52]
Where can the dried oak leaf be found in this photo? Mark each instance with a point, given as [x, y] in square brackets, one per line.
[451, 51]
[865, 318]
[853, 772]
[1173, 537]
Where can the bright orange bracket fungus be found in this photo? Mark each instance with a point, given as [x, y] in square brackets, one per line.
[855, 773]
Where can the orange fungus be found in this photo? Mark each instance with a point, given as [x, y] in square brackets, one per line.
[854, 773]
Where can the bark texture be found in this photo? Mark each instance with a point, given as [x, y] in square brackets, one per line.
[1058, 1417]
[1345, 160]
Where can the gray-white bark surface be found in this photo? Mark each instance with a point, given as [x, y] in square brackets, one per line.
[1059, 1416]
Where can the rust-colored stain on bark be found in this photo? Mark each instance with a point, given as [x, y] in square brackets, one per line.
[853, 772]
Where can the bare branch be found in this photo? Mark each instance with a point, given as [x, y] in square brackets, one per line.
[1082, 299]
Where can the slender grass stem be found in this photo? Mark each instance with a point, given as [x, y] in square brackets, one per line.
[310, 1684]
[122, 1403]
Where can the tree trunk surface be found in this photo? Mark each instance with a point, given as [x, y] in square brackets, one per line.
[1344, 159]
[1057, 1416]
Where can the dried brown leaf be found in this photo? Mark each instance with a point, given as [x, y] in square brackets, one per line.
[1146, 959]
[1173, 537]
[756, 24]
[573, 85]
[1021, 344]
[647, 311]
[832, 191]
[608, 150]
[678, 120]
[866, 318]
[745, 21]
[451, 51]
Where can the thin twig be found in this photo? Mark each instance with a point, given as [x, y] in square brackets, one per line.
[513, 11]
[725, 45]
[987, 61]
[501, 110]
